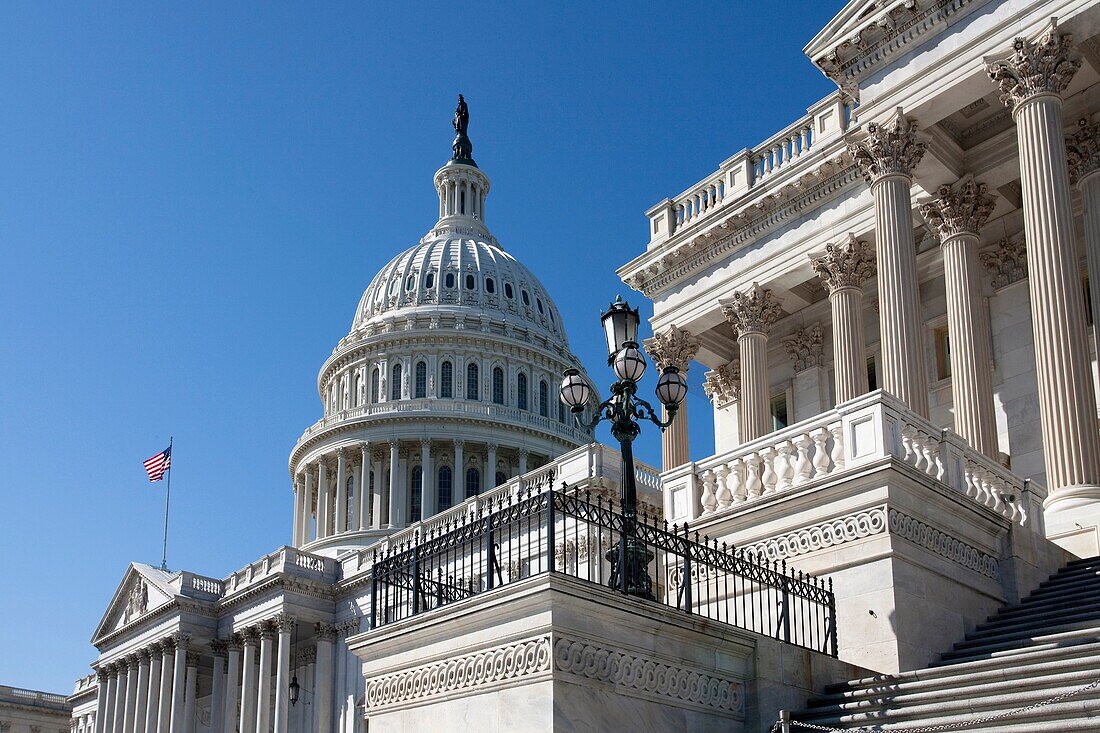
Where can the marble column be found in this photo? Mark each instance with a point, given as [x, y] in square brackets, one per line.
[1083, 152]
[118, 697]
[218, 650]
[376, 494]
[341, 491]
[674, 347]
[522, 453]
[322, 699]
[103, 686]
[232, 679]
[428, 496]
[888, 156]
[752, 314]
[251, 638]
[141, 702]
[395, 488]
[152, 692]
[1031, 83]
[324, 504]
[285, 626]
[263, 692]
[458, 481]
[842, 271]
[308, 533]
[190, 689]
[365, 488]
[957, 216]
[129, 688]
[167, 672]
[296, 532]
[179, 682]
[491, 466]
[106, 714]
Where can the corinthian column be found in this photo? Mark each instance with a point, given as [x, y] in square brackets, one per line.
[232, 676]
[957, 215]
[341, 491]
[142, 695]
[103, 685]
[282, 673]
[887, 156]
[308, 534]
[218, 649]
[263, 696]
[1083, 149]
[167, 666]
[752, 315]
[323, 503]
[131, 695]
[428, 495]
[676, 348]
[322, 698]
[152, 710]
[248, 685]
[842, 271]
[1031, 83]
[179, 682]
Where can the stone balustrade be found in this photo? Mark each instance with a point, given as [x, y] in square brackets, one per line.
[34, 697]
[282, 560]
[825, 121]
[831, 446]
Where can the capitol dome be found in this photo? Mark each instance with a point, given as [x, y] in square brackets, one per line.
[445, 386]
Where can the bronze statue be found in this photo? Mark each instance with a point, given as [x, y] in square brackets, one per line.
[462, 147]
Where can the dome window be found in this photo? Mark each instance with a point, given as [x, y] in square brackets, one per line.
[421, 380]
[449, 281]
[471, 282]
[521, 391]
[551, 314]
[445, 494]
[415, 503]
[490, 286]
[498, 386]
[538, 302]
[410, 282]
[472, 382]
[473, 482]
[508, 290]
[395, 382]
[393, 287]
[429, 280]
[526, 298]
[446, 380]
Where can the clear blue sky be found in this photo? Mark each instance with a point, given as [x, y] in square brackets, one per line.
[194, 196]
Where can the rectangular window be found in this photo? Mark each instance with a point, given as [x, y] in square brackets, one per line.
[779, 411]
[872, 376]
[943, 352]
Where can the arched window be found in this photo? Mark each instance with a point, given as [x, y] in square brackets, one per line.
[349, 502]
[501, 478]
[410, 282]
[449, 281]
[498, 386]
[473, 482]
[544, 399]
[471, 382]
[508, 290]
[521, 391]
[395, 382]
[446, 380]
[356, 395]
[421, 379]
[462, 202]
[445, 496]
[471, 282]
[538, 302]
[415, 499]
[490, 286]
[374, 385]
[526, 298]
[429, 280]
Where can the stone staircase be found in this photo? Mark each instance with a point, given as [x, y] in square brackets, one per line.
[1045, 646]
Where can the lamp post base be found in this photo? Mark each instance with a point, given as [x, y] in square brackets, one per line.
[637, 559]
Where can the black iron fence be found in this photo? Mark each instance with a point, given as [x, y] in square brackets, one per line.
[584, 535]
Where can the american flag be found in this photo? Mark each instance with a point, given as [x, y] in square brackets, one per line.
[158, 464]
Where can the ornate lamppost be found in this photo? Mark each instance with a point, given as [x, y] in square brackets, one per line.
[629, 561]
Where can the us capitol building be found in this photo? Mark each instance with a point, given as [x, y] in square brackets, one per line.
[892, 304]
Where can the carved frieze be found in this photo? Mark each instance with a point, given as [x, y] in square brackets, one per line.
[964, 208]
[1045, 66]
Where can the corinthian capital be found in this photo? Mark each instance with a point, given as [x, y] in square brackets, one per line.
[1045, 66]
[845, 265]
[804, 347]
[674, 347]
[893, 149]
[723, 385]
[1083, 150]
[962, 209]
[754, 311]
[325, 632]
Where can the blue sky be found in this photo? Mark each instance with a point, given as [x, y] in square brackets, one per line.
[194, 196]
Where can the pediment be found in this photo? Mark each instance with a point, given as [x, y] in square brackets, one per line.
[143, 590]
[857, 26]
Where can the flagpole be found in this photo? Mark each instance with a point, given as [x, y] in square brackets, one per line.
[167, 498]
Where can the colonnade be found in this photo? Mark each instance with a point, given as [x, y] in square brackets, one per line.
[150, 690]
[369, 484]
[674, 347]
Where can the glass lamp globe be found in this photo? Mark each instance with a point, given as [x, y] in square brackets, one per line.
[630, 362]
[574, 391]
[620, 325]
[671, 387]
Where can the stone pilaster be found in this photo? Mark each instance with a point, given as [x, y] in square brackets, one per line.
[752, 314]
[1031, 81]
[805, 350]
[957, 216]
[1083, 150]
[888, 155]
[674, 347]
[842, 271]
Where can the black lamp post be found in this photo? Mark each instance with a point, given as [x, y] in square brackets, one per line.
[630, 561]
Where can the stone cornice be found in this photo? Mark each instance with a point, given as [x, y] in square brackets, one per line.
[279, 582]
[655, 272]
[179, 604]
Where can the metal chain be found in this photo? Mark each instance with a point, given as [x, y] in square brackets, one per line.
[942, 726]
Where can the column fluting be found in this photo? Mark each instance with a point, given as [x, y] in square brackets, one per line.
[674, 347]
[752, 314]
[251, 639]
[232, 679]
[842, 271]
[323, 699]
[282, 674]
[179, 682]
[263, 680]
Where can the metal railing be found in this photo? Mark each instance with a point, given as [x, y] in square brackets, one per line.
[581, 535]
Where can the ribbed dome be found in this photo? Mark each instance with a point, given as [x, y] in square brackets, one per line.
[450, 272]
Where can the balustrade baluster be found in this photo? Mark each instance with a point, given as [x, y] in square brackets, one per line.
[802, 466]
[837, 455]
[753, 485]
[723, 496]
[783, 468]
[821, 455]
[708, 501]
[769, 476]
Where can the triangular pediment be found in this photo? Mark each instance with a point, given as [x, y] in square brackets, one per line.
[858, 24]
[143, 590]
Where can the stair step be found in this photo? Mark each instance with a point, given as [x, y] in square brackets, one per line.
[1067, 717]
[1039, 618]
[1084, 580]
[1055, 641]
[1021, 637]
[1030, 604]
